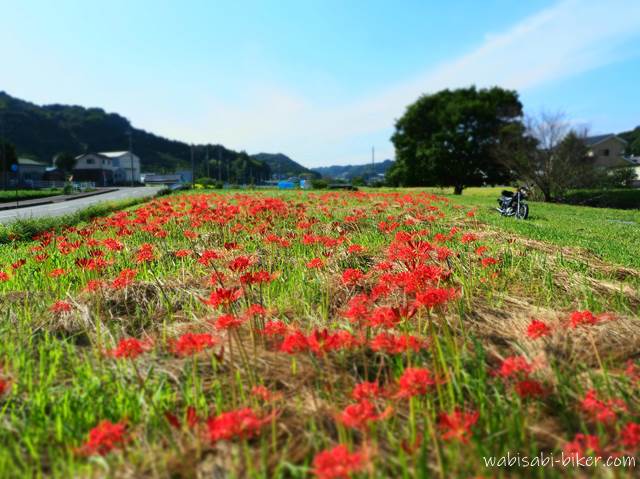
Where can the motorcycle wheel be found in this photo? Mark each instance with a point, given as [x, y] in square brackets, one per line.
[523, 212]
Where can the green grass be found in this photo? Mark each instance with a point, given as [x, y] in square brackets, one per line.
[610, 234]
[62, 383]
[7, 196]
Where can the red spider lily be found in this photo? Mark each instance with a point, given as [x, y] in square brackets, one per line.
[632, 372]
[599, 410]
[538, 329]
[5, 384]
[104, 438]
[92, 264]
[468, 238]
[435, 296]
[392, 344]
[145, 253]
[337, 463]
[61, 306]
[457, 425]
[582, 445]
[315, 263]
[256, 310]
[514, 366]
[384, 316]
[630, 435]
[480, 250]
[414, 382]
[355, 248]
[130, 348]
[4, 276]
[192, 343]
[113, 244]
[274, 328]
[488, 261]
[257, 277]
[19, 264]
[240, 263]
[360, 414]
[41, 257]
[579, 318]
[357, 308]
[124, 279]
[294, 342]
[190, 234]
[529, 388]
[366, 390]
[228, 321]
[351, 276]
[223, 297]
[263, 393]
[242, 423]
[323, 341]
[191, 418]
[208, 256]
[57, 272]
[93, 285]
[183, 253]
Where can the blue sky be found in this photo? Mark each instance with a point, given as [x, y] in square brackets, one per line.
[321, 81]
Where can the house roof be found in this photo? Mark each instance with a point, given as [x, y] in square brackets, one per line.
[594, 140]
[113, 154]
[30, 162]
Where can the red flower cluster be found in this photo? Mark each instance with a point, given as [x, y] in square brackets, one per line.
[104, 438]
[242, 423]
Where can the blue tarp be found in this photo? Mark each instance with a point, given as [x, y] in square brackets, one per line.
[286, 185]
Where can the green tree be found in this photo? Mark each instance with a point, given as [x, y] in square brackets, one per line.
[448, 138]
[65, 162]
[8, 157]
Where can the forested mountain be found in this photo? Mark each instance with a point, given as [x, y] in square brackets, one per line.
[41, 132]
[283, 167]
[349, 172]
[633, 139]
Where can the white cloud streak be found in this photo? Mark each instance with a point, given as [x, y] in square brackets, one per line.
[566, 39]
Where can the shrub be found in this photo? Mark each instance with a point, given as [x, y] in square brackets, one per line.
[621, 198]
[319, 184]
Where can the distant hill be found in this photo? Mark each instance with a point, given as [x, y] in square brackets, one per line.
[282, 166]
[40, 132]
[348, 172]
[633, 139]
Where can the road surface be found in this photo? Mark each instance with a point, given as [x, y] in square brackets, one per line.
[71, 206]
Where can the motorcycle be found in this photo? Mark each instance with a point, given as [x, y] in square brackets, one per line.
[514, 204]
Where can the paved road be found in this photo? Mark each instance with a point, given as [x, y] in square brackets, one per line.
[71, 206]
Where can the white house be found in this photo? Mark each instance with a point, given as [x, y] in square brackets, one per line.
[107, 168]
[125, 165]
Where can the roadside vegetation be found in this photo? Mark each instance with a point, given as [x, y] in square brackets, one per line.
[299, 334]
[9, 196]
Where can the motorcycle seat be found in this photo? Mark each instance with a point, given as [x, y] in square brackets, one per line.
[506, 193]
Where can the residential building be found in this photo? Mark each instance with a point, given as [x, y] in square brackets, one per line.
[108, 168]
[607, 151]
[30, 172]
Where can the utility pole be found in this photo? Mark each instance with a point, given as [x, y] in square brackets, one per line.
[373, 163]
[193, 167]
[131, 153]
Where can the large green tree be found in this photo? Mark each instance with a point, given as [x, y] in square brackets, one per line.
[448, 138]
[8, 157]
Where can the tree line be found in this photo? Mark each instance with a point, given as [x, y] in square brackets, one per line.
[472, 137]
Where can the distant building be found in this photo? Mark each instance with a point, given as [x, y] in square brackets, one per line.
[107, 168]
[167, 179]
[606, 150]
[30, 172]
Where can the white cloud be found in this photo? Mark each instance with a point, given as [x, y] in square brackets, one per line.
[566, 39]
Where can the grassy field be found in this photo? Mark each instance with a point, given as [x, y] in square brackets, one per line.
[301, 334]
[612, 235]
[7, 196]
